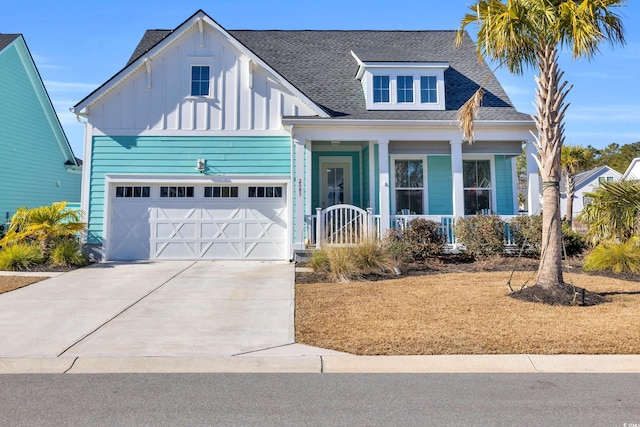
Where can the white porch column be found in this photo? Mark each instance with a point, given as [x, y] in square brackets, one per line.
[458, 184]
[533, 181]
[298, 193]
[383, 169]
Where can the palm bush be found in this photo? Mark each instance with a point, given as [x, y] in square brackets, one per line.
[482, 235]
[615, 257]
[44, 224]
[19, 256]
[614, 211]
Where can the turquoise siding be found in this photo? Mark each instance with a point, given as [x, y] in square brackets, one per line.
[169, 155]
[366, 197]
[440, 185]
[316, 176]
[32, 160]
[504, 186]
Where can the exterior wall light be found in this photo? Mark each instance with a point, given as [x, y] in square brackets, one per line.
[201, 165]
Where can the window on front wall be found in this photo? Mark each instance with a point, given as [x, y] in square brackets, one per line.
[200, 80]
[405, 88]
[428, 89]
[476, 177]
[380, 88]
[605, 179]
[409, 187]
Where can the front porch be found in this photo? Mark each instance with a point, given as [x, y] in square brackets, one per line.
[394, 181]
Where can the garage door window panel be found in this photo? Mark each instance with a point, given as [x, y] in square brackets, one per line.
[130, 191]
[174, 192]
[265, 192]
[221, 192]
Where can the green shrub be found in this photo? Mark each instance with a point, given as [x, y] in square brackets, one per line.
[67, 253]
[574, 242]
[482, 235]
[344, 263]
[19, 256]
[527, 231]
[616, 257]
[424, 239]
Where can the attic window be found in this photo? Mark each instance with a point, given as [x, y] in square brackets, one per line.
[200, 77]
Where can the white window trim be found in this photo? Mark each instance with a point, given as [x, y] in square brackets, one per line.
[492, 167]
[202, 61]
[392, 179]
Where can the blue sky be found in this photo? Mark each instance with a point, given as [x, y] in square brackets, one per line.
[79, 45]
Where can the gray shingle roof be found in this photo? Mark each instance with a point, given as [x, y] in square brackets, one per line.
[6, 39]
[149, 40]
[320, 65]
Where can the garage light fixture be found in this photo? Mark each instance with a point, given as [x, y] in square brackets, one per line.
[200, 165]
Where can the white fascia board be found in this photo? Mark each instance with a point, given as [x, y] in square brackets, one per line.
[403, 123]
[82, 108]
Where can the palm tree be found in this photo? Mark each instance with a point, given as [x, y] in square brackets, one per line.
[573, 160]
[614, 211]
[44, 224]
[528, 33]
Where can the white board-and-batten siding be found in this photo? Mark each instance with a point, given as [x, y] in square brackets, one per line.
[156, 95]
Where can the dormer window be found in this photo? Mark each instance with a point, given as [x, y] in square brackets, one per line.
[380, 88]
[405, 88]
[402, 85]
[428, 89]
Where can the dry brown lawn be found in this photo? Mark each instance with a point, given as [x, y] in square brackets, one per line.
[9, 283]
[465, 313]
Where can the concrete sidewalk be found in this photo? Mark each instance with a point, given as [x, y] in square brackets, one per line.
[297, 358]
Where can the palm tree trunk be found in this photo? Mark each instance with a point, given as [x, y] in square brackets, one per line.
[550, 110]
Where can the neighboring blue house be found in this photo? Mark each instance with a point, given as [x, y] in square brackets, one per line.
[37, 166]
[216, 144]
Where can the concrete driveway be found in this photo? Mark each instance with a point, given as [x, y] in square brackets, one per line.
[169, 308]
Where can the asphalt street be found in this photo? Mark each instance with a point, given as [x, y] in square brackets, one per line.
[320, 400]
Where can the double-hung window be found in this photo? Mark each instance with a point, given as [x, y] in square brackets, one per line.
[476, 177]
[428, 89]
[381, 89]
[200, 79]
[405, 88]
[409, 187]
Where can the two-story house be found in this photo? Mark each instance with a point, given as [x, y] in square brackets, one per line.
[219, 144]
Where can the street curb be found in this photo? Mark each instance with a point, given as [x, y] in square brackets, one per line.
[332, 364]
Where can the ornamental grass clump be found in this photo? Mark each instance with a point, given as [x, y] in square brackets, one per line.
[20, 256]
[67, 253]
[346, 263]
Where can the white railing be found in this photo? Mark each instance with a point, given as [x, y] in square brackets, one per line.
[342, 225]
[348, 225]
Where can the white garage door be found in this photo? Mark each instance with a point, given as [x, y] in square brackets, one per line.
[178, 221]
